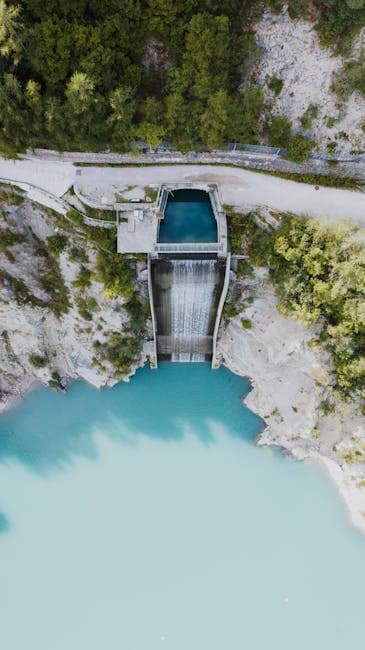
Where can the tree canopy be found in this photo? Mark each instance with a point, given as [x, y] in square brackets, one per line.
[90, 74]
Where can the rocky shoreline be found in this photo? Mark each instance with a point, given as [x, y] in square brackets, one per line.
[289, 376]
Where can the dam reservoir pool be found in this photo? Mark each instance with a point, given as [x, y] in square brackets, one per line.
[144, 517]
[188, 217]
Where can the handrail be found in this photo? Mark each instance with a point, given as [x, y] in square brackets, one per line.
[189, 247]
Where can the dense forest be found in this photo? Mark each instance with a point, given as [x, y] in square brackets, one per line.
[91, 74]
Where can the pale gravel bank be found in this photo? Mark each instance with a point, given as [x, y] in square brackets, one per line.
[289, 375]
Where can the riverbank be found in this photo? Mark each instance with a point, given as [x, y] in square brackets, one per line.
[290, 375]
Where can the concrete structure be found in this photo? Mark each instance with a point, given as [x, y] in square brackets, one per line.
[138, 233]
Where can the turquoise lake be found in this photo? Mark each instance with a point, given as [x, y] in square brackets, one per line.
[145, 517]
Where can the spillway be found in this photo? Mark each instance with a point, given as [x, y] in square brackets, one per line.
[187, 275]
[192, 291]
[186, 292]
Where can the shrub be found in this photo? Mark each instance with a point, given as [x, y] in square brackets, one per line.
[120, 351]
[9, 238]
[229, 310]
[76, 254]
[56, 244]
[308, 116]
[246, 323]
[116, 272]
[37, 360]
[349, 79]
[82, 280]
[76, 217]
[86, 306]
[298, 148]
[276, 85]
[279, 131]
[55, 380]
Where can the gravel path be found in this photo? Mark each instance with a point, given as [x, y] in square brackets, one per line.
[237, 187]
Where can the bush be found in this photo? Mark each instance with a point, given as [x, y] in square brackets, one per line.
[349, 79]
[76, 254]
[37, 360]
[298, 148]
[55, 380]
[86, 306]
[327, 180]
[246, 323]
[116, 272]
[276, 85]
[310, 114]
[121, 352]
[279, 131]
[229, 310]
[9, 238]
[56, 244]
[22, 293]
[83, 279]
[76, 217]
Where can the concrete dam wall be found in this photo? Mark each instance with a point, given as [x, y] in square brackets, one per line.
[186, 293]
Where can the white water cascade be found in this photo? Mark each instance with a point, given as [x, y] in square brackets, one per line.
[192, 292]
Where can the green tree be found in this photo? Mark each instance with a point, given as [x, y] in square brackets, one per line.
[246, 114]
[207, 57]
[34, 104]
[80, 108]
[215, 120]
[121, 118]
[279, 131]
[152, 134]
[180, 126]
[14, 131]
[10, 29]
[298, 148]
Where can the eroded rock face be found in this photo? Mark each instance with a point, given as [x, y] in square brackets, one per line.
[290, 375]
[291, 51]
[37, 344]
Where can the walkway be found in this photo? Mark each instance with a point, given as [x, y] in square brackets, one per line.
[238, 187]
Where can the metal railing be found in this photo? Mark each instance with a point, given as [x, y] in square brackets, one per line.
[189, 247]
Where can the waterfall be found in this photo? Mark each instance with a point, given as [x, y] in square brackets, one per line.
[191, 299]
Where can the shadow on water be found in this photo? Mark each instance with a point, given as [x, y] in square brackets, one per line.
[4, 523]
[48, 428]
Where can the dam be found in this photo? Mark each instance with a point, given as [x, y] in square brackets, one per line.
[185, 237]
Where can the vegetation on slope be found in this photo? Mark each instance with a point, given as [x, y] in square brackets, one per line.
[88, 74]
[318, 270]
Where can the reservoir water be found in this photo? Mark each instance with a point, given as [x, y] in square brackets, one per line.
[189, 217]
[144, 517]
